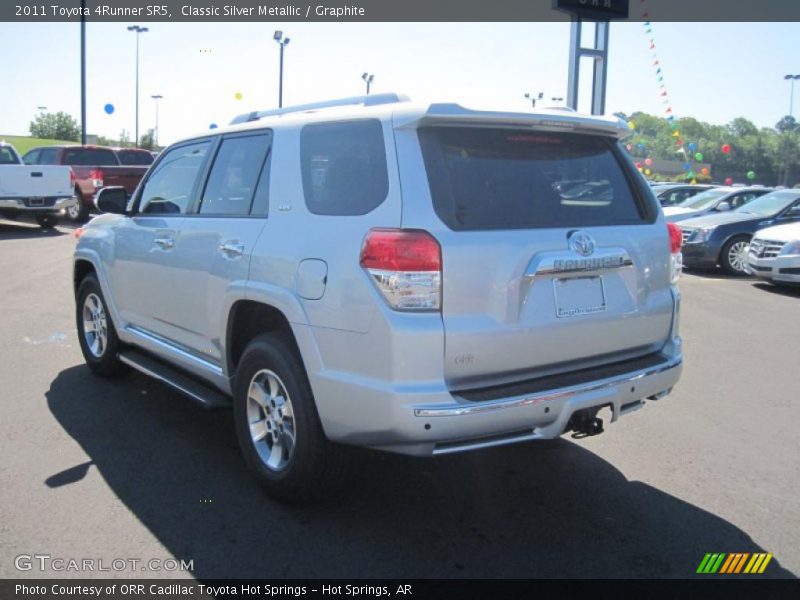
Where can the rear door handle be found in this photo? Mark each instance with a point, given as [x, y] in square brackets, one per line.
[165, 243]
[231, 248]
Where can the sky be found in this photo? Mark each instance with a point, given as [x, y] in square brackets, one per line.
[712, 71]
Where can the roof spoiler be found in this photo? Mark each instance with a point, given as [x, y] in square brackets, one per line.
[369, 100]
[553, 119]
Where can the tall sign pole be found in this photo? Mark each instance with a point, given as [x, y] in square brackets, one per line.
[601, 11]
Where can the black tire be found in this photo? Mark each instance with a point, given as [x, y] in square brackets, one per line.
[315, 465]
[727, 261]
[103, 360]
[80, 213]
[47, 220]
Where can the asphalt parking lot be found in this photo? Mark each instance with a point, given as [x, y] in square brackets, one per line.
[128, 469]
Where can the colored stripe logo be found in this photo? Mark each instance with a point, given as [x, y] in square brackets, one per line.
[734, 563]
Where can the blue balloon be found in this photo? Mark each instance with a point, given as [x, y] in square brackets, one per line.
[212, 126]
[109, 108]
[687, 166]
[692, 146]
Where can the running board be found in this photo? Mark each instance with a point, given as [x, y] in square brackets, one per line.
[176, 379]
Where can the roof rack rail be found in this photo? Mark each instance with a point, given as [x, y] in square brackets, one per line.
[370, 100]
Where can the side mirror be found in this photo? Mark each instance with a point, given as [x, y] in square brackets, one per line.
[723, 207]
[112, 200]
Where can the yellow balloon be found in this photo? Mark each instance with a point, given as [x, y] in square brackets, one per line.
[631, 124]
[238, 95]
[647, 171]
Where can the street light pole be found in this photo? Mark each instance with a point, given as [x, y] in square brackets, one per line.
[282, 42]
[533, 98]
[368, 79]
[791, 79]
[156, 97]
[138, 30]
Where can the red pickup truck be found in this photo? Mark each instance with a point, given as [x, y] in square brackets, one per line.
[93, 167]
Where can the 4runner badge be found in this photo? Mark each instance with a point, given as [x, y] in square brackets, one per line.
[581, 243]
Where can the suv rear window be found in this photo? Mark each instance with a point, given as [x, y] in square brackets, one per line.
[484, 178]
[90, 157]
[344, 167]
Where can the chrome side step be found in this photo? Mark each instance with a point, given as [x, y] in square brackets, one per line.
[208, 397]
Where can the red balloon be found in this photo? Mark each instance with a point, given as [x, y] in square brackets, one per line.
[638, 165]
[648, 161]
[728, 180]
[726, 148]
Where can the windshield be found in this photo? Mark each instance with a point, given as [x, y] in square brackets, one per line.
[703, 200]
[769, 204]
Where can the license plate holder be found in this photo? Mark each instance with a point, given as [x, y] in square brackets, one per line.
[36, 201]
[576, 296]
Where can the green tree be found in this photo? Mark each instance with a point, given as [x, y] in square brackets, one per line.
[55, 126]
[124, 138]
[787, 123]
[147, 141]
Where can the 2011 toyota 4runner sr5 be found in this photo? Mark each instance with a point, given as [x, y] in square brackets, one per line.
[370, 272]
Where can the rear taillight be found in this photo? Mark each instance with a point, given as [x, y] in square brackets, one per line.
[97, 177]
[72, 178]
[406, 266]
[676, 258]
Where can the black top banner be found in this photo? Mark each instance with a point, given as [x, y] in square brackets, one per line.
[397, 10]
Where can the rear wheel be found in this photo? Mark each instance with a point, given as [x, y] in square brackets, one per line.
[47, 220]
[733, 257]
[277, 424]
[96, 334]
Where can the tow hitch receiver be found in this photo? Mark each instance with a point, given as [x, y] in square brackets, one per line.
[584, 423]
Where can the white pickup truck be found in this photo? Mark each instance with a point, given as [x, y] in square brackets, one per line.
[42, 191]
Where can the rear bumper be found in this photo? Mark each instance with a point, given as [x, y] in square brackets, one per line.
[37, 205]
[784, 269]
[426, 422]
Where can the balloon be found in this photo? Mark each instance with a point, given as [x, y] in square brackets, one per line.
[640, 147]
[109, 108]
[693, 181]
[212, 126]
[631, 124]
[726, 148]
[639, 165]
[647, 171]
[648, 161]
[692, 146]
[687, 166]
[728, 180]
[704, 170]
[690, 174]
[698, 156]
[238, 95]
[751, 175]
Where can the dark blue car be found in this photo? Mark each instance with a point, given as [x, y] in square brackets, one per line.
[722, 239]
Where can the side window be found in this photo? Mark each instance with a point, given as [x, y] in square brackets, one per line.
[31, 158]
[234, 175]
[168, 189]
[741, 199]
[48, 156]
[344, 167]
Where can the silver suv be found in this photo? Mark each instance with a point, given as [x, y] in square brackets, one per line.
[370, 272]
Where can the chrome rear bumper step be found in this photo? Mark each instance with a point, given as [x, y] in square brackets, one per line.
[206, 396]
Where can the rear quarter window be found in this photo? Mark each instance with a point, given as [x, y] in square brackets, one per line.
[344, 167]
[134, 157]
[484, 178]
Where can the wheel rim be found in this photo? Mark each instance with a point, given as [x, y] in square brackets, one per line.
[73, 212]
[737, 256]
[95, 329]
[271, 420]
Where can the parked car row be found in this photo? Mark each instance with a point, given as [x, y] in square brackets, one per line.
[93, 167]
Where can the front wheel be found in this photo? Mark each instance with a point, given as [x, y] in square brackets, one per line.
[47, 220]
[277, 424]
[733, 257]
[96, 334]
